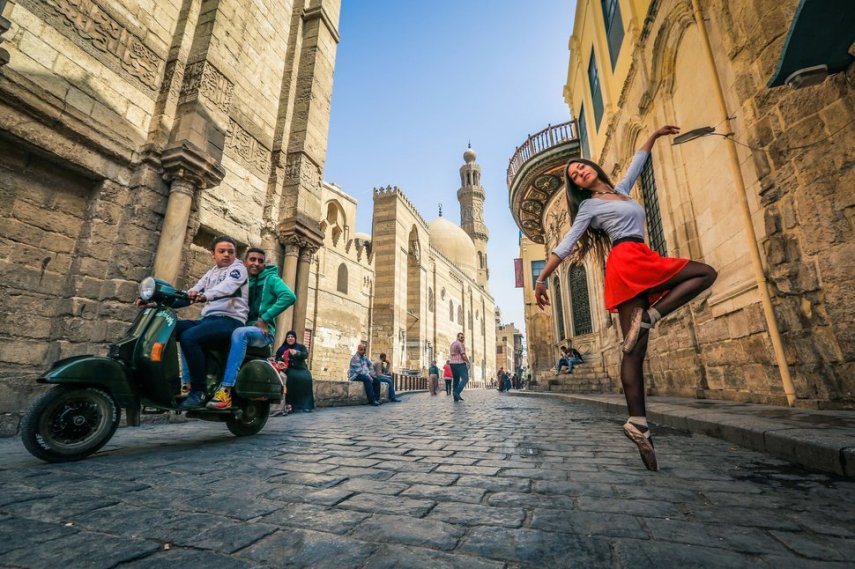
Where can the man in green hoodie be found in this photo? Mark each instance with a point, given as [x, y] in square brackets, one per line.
[268, 298]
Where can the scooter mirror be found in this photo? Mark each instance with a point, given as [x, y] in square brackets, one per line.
[148, 287]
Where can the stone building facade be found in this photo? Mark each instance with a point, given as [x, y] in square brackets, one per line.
[769, 204]
[132, 133]
[407, 289]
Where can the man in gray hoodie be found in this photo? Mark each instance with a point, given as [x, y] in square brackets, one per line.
[223, 290]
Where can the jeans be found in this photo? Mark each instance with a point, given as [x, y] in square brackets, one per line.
[387, 379]
[460, 377]
[194, 334]
[447, 385]
[241, 338]
[563, 362]
[368, 383]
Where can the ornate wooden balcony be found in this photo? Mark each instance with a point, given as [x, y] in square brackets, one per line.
[535, 175]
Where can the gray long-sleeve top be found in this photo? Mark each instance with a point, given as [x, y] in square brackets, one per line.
[618, 218]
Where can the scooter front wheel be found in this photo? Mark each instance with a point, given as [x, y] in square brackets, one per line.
[70, 423]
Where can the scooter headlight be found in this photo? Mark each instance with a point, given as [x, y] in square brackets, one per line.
[148, 287]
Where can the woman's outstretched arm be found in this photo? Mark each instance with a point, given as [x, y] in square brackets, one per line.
[662, 131]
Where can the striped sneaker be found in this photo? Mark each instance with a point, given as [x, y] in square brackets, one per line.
[640, 435]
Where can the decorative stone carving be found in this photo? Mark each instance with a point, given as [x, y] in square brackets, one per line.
[308, 252]
[202, 79]
[101, 35]
[251, 152]
[184, 160]
[300, 169]
[4, 27]
[173, 77]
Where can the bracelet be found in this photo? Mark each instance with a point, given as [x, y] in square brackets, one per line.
[538, 283]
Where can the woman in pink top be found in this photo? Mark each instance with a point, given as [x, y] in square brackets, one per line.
[459, 366]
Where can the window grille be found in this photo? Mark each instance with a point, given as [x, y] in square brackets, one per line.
[596, 94]
[614, 28]
[559, 308]
[655, 232]
[581, 303]
[583, 133]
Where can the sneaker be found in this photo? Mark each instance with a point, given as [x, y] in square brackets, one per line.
[185, 391]
[396, 400]
[640, 435]
[222, 400]
[194, 399]
[375, 403]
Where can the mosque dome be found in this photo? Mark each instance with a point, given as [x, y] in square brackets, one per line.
[455, 244]
[469, 155]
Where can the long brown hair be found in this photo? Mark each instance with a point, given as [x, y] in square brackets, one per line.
[595, 239]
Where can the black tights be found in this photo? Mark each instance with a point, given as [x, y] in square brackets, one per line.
[683, 287]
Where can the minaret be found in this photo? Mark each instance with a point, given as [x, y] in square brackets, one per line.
[471, 198]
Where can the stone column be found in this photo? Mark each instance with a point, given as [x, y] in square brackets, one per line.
[188, 169]
[4, 27]
[304, 267]
[292, 246]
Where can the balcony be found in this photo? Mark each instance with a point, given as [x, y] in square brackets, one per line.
[535, 175]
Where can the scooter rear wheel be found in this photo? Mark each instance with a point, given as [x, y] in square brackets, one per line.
[251, 419]
[70, 423]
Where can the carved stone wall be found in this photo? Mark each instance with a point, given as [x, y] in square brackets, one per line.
[94, 92]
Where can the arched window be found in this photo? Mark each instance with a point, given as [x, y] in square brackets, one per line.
[341, 286]
[451, 310]
[559, 308]
[480, 260]
[430, 299]
[579, 299]
[460, 314]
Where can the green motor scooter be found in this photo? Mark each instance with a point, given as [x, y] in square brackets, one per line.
[141, 372]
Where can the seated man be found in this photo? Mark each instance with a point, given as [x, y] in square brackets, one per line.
[268, 298]
[224, 292]
[562, 360]
[362, 370]
[383, 374]
[573, 357]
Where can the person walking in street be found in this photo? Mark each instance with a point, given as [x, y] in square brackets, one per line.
[459, 367]
[433, 378]
[640, 285]
[447, 376]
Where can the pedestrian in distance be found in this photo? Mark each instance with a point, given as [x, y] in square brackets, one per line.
[459, 366]
[640, 285]
[433, 377]
[447, 375]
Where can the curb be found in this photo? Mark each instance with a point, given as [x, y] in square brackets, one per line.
[830, 450]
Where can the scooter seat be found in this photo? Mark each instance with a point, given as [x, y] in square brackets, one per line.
[253, 352]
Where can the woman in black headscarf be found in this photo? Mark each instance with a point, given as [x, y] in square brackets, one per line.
[299, 385]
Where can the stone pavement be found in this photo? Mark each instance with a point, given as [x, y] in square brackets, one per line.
[818, 440]
[493, 482]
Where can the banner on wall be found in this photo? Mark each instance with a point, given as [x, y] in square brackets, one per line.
[518, 273]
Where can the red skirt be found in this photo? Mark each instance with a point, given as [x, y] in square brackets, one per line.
[633, 268]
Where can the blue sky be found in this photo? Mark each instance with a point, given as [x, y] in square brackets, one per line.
[416, 81]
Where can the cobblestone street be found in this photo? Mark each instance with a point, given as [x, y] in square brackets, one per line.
[495, 481]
